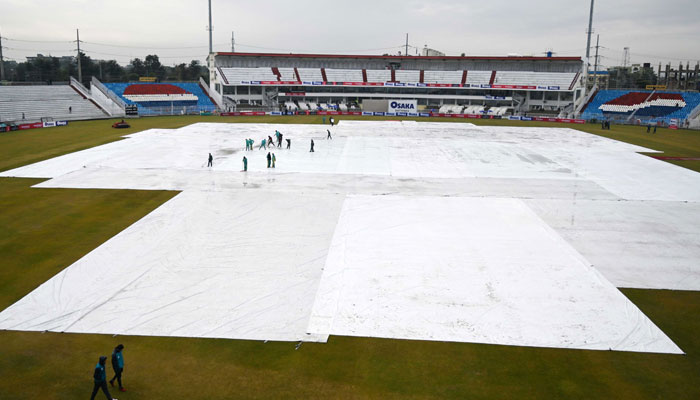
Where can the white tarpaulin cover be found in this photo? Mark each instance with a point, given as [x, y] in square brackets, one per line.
[469, 269]
[456, 232]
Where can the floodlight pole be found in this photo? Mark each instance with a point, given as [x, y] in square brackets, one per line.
[210, 30]
[595, 69]
[80, 70]
[2, 62]
[590, 31]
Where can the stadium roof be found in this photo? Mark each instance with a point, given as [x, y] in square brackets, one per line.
[496, 58]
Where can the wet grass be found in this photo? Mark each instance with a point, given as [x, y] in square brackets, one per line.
[44, 230]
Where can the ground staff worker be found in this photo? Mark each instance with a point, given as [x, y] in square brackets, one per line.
[100, 378]
[118, 365]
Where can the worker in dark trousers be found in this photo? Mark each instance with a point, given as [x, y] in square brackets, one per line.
[312, 146]
[648, 128]
[269, 159]
[289, 143]
[245, 164]
[270, 142]
[329, 134]
[118, 366]
[279, 141]
[655, 127]
[100, 378]
[211, 161]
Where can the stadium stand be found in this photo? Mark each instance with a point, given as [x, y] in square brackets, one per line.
[249, 74]
[37, 102]
[644, 105]
[310, 74]
[382, 75]
[524, 78]
[478, 77]
[164, 98]
[515, 78]
[287, 74]
[344, 75]
[453, 77]
[407, 76]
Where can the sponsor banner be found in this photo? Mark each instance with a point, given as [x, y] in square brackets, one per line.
[61, 123]
[412, 84]
[367, 113]
[275, 113]
[522, 87]
[561, 120]
[402, 114]
[514, 118]
[318, 83]
[279, 83]
[356, 113]
[362, 83]
[553, 88]
[25, 126]
[389, 84]
[424, 114]
[495, 97]
[244, 114]
[399, 84]
[404, 106]
[421, 84]
[379, 114]
[390, 114]
[49, 124]
[412, 114]
[440, 85]
[37, 125]
[291, 94]
[484, 86]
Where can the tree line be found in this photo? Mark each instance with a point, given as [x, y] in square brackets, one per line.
[50, 69]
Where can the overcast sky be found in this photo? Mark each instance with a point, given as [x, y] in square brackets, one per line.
[176, 29]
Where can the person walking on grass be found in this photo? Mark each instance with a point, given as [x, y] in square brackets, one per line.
[210, 163]
[245, 164]
[100, 378]
[269, 159]
[273, 160]
[329, 135]
[118, 366]
[312, 146]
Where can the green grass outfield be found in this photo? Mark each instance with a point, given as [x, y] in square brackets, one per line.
[42, 231]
